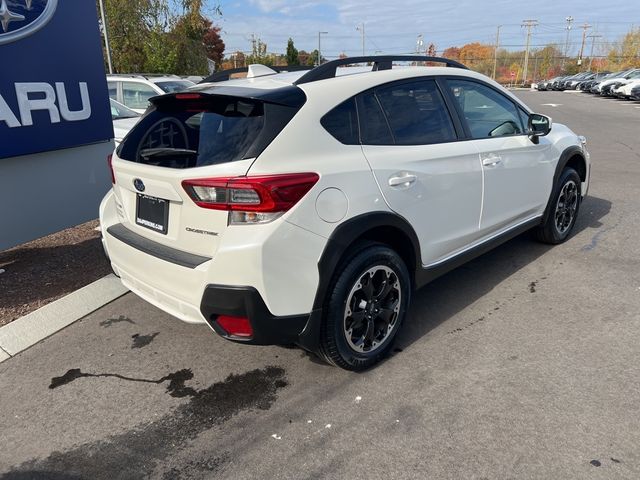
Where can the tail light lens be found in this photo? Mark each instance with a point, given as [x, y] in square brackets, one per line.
[110, 163]
[250, 200]
[236, 326]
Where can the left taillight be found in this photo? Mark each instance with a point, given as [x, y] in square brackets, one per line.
[253, 199]
[110, 163]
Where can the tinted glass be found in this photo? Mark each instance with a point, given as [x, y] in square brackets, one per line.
[175, 85]
[137, 95]
[524, 119]
[374, 129]
[185, 135]
[342, 123]
[416, 113]
[488, 113]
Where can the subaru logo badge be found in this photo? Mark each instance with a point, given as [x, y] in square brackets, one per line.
[139, 184]
[21, 18]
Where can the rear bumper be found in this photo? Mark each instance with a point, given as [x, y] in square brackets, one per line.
[268, 329]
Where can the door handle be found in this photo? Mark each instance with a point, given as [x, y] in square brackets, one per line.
[492, 160]
[402, 180]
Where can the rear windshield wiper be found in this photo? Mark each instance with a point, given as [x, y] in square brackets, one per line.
[166, 152]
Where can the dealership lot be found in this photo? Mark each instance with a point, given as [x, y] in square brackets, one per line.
[520, 364]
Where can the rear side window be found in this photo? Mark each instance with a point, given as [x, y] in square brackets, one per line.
[487, 112]
[374, 129]
[137, 95]
[342, 123]
[416, 113]
[113, 90]
[207, 131]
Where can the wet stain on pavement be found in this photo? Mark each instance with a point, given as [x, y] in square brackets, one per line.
[141, 451]
[471, 324]
[141, 341]
[176, 387]
[120, 319]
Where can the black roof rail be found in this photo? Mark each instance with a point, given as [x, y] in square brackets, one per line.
[380, 62]
[223, 75]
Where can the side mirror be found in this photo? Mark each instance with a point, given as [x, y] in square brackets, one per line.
[539, 126]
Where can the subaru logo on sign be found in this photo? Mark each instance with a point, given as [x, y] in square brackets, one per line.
[139, 184]
[21, 18]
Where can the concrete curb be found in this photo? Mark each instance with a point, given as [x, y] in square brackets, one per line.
[44, 322]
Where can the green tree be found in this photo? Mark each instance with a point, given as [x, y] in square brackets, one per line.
[159, 36]
[292, 53]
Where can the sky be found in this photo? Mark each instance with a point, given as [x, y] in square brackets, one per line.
[393, 26]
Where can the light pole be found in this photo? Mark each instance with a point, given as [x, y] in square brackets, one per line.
[361, 29]
[319, 54]
[105, 30]
[495, 52]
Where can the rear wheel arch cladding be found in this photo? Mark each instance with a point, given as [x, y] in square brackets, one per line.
[382, 227]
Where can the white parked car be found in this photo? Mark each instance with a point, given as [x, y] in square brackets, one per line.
[306, 207]
[123, 119]
[134, 91]
[624, 89]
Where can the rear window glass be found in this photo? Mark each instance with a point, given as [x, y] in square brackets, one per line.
[194, 134]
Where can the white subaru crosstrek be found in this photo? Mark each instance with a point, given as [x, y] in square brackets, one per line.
[306, 207]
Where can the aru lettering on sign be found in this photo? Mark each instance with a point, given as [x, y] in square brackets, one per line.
[55, 94]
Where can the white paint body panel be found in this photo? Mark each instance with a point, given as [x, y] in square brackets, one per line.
[455, 203]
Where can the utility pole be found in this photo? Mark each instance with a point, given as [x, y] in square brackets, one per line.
[569, 21]
[319, 54]
[593, 42]
[361, 30]
[529, 24]
[584, 28]
[105, 30]
[495, 52]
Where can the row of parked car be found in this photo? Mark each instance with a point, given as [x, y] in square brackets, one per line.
[624, 84]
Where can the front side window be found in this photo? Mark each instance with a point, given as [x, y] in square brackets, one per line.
[487, 112]
[137, 95]
[416, 113]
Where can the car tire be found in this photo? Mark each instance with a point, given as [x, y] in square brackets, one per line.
[365, 308]
[562, 210]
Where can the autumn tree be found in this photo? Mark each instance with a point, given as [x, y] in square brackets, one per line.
[158, 36]
[213, 44]
[292, 53]
[627, 54]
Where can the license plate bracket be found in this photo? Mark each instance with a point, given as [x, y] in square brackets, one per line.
[152, 213]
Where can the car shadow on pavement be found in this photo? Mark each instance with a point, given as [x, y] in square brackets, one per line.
[446, 296]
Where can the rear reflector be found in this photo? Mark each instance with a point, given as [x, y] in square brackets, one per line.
[236, 326]
[261, 194]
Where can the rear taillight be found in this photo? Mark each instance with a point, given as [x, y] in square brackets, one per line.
[258, 199]
[110, 162]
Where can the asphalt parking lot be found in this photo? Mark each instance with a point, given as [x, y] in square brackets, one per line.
[521, 364]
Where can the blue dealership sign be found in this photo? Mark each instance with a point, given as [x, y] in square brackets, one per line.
[53, 89]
